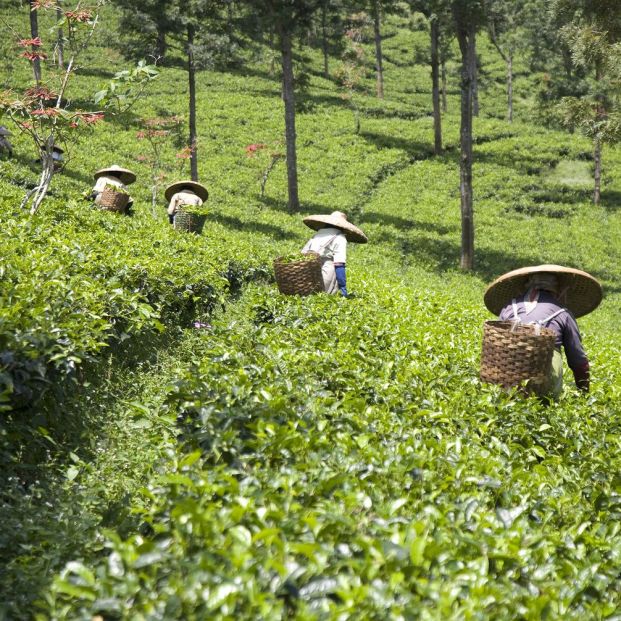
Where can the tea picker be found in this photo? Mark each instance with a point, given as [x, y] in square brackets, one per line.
[545, 301]
[330, 243]
[110, 190]
[184, 197]
[5, 144]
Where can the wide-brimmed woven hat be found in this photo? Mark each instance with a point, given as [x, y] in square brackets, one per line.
[194, 186]
[580, 292]
[125, 176]
[4, 131]
[339, 220]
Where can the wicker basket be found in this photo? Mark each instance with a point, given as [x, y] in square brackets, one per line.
[110, 200]
[188, 221]
[514, 353]
[299, 277]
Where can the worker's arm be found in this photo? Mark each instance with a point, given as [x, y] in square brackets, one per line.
[575, 354]
[582, 377]
[341, 278]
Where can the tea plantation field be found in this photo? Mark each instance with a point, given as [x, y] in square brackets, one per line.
[302, 458]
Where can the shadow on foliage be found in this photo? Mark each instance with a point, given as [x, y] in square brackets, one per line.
[406, 223]
[254, 72]
[74, 174]
[45, 524]
[382, 113]
[493, 137]
[59, 410]
[443, 255]
[610, 200]
[306, 207]
[262, 228]
[416, 150]
[96, 72]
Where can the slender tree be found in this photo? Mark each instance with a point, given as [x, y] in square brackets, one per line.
[191, 34]
[185, 22]
[287, 17]
[468, 16]
[376, 11]
[505, 25]
[329, 22]
[438, 15]
[44, 113]
[146, 26]
[60, 44]
[34, 33]
[594, 37]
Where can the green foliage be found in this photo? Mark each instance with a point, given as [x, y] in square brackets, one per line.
[296, 257]
[374, 477]
[233, 453]
[115, 188]
[126, 88]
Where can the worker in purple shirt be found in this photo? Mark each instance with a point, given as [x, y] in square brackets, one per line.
[551, 296]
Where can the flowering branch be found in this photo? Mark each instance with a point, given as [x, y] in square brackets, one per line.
[39, 112]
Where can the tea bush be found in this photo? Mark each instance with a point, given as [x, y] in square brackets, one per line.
[341, 463]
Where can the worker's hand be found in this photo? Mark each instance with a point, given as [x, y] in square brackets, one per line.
[582, 377]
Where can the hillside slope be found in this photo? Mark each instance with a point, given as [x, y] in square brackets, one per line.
[302, 458]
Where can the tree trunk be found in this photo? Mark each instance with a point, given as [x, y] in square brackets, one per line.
[34, 33]
[324, 39]
[475, 82]
[272, 68]
[444, 103]
[379, 69]
[600, 113]
[437, 117]
[510, 87]
[465, 35]
[161, 47]
[597, 170]
[230, 26]
[60, 44]
[37, 194]
[289, 100]
[192, 84]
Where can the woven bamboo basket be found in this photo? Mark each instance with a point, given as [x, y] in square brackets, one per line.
[515, 353]
[110, 200]
[188, 221]
[299, 277]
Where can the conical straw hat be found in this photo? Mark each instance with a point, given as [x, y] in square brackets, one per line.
[580, 292]
[339, 220]
[126, 176]
[194, 186]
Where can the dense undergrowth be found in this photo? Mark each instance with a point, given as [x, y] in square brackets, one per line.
[315, 458]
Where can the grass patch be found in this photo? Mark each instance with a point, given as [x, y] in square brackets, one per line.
[571, 173]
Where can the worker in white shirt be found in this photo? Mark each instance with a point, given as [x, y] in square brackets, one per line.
[113, 175]
[184, 193]
[330, 243]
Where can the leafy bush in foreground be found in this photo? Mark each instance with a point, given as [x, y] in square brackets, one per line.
[374, 478]
[77, 280]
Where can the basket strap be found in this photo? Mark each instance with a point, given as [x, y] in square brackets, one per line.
[321, 248]
[541, 322]
[547, 320]
[329, 242]
[515, 309]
